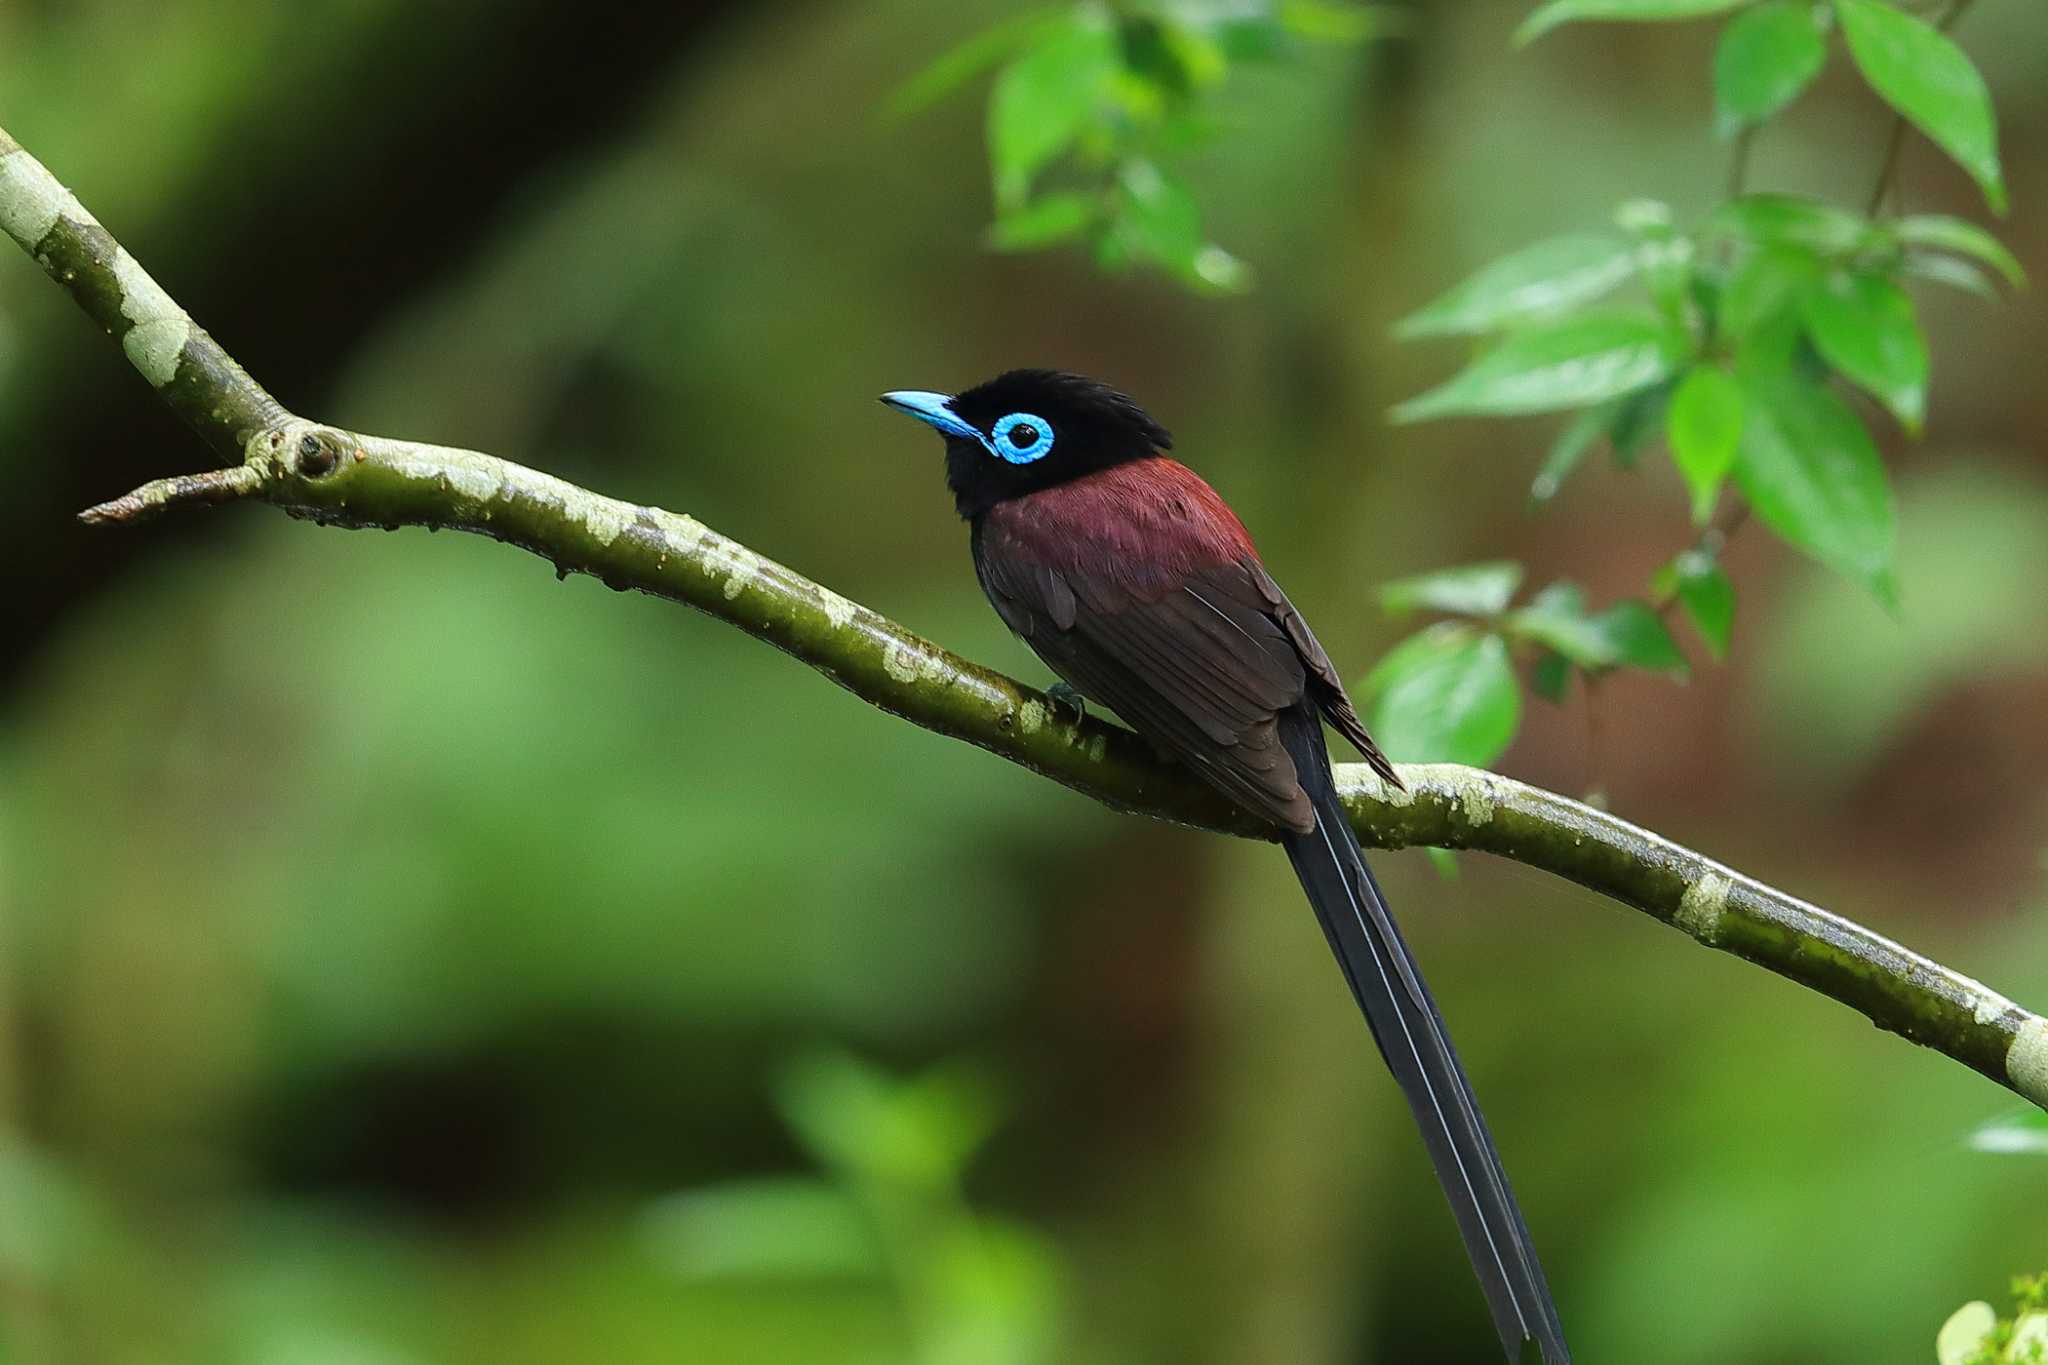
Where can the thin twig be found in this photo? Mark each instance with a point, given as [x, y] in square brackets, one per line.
[183, 490]
[1713, 539]
[346, 479]
[1738, 161]
[1596, 754]
[1895, 143]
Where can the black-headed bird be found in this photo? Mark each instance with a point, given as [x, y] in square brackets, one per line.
[1137, 584]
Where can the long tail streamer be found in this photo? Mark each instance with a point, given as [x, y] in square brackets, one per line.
[1411, 1035]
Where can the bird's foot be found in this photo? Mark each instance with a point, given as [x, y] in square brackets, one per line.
[1073, 707]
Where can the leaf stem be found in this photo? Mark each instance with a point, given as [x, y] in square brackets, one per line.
[1738, 162]
[1596, 769]
[1732, 517]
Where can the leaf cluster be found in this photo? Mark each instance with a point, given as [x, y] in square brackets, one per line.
[888, 1205]
[1770, 52]
[1757, 341]
[1451, 693]
[1754, 345]
[1092, 112]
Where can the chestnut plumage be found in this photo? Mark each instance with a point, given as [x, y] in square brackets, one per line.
[1137, 584]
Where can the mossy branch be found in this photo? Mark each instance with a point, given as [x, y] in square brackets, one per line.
[343, 478]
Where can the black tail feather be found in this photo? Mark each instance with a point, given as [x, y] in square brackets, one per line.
[1411, 1035]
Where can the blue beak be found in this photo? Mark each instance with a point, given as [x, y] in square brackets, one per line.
[931, 409]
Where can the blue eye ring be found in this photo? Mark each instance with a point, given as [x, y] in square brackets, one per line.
[1020, 438]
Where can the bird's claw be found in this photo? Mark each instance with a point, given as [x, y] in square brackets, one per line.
[1072, 706]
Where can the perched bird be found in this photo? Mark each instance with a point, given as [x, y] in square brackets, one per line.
[1137, 584]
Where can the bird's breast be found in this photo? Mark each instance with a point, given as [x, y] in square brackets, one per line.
[1148, 525]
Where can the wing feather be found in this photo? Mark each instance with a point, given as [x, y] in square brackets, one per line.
[1203, 671]
[1141, 589]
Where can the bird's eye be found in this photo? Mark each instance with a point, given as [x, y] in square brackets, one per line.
[1020, 438]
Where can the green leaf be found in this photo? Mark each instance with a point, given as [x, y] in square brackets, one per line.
[1158, 222]
[1627, 633]
[1200, 60]
[1547, 278]
[1042, 101]
[1668, 273]
[1649, 220]
[1328, 21]
[963, 63]
[1778, 347]
[1921, 73]
[1704, 428]
[1447, 695]
[1767, 56]
[1942, 233]
[1250, 36]
[1789, 220]
[2022, 1132]
[1565, 364]
[1864, 326]
[1570, 447]
[1812, 473]
[1637, 637]
[1469, 590]
[1763, 311]
[1559, 12]
[1636, 419]
[1770, 280]
[1948, 270]
[1048, 220]
[765, 1229]
[1216, 269]
[916, 1133]
[1556, 618]
[1551, 676]
[1707, 597]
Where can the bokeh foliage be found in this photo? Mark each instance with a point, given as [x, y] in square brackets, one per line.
[1749, 329]
[1755, 329]
[1090, 109]
[409, 958]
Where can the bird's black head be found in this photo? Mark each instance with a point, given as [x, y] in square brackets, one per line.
[1030, 429]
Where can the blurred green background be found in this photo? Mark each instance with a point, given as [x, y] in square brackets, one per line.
[407, 958]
